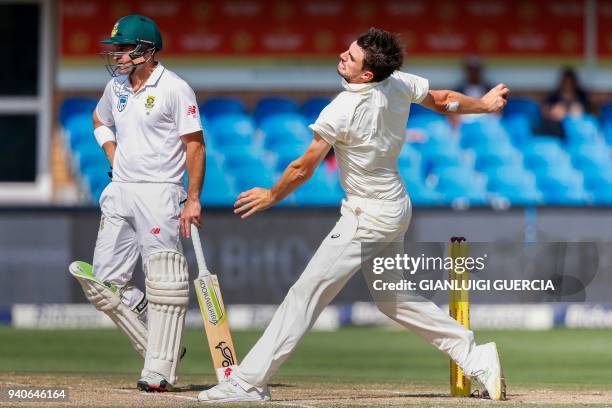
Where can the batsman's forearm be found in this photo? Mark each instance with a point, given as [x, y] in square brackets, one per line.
[294, 176]
[109, 150]
[196, 165]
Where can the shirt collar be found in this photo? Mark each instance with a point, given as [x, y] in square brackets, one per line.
[359, 87]
[155, 75]
[123, 81]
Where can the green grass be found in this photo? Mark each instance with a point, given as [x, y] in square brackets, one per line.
[568, 359]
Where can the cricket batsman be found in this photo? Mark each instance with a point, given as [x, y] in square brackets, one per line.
[366, 125]
[147, 122]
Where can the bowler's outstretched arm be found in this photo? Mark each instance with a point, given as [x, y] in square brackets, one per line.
[445, 101]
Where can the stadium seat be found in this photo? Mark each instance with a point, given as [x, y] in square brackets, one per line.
[561, 186]
[422, 195]
[96, 182]
[599, 184]
[79, 129]
[274, 106]
[544, 152]
[322, 189]
[410, 158]
[483, 133]
[285, 154]
[518, 128]
[581, 129]
[313, 107]
[607, 131]
[526, 107]
[229, 130]
[217, 106]
[418, 111]
[606, 112]
[590, 157]
[91, 156]
[460, 183]
[496, 158]
[515, 184]
[285, 129]
[74, 106]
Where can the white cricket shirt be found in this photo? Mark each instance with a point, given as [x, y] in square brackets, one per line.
[366, 125]
[149, 125]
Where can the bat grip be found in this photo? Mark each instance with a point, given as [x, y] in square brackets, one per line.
[197, 248]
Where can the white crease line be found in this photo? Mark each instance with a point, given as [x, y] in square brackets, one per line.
[290, 404]
[158, 394]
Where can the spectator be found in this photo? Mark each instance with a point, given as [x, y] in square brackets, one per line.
[474, 84]
[568, 99]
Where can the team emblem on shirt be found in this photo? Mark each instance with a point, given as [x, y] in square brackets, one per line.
[149, 103]
[121, 102]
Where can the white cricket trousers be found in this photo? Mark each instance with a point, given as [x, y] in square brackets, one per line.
[334, 263]
[137, 219]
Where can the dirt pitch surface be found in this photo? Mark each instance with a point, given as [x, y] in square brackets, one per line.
[119, 390]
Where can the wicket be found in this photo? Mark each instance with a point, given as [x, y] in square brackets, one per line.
[459, 309]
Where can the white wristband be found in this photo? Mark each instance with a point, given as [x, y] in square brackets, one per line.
[104, 134]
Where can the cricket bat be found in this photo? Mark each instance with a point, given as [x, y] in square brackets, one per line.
[213, 313]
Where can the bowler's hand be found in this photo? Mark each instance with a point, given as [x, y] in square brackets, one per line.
[190, 215]
[252, 201]
[496, 98]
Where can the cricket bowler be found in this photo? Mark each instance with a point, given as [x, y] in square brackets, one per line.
[148, 124]
[366, 125]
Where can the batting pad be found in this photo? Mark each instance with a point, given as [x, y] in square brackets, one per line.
[167, 284]
[107, 301]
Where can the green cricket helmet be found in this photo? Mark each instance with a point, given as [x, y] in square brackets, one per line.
[137, 30]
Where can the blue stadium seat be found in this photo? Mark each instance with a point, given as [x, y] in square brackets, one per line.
[79, 129]
[518, 128]
[590, 157]
[483, 133]
[274, 106]
[410, 158]
[447, 156]
[91, 156]
[607, 131]
[515, 184]
[285, 154]
[313, 107]
[96, 182]
[78, 105]
[545, 152]
[411, 173]
[460, 183]
[561, 186]
[217, 106]
[496, 158]
[418, 111]
[581, 129]
[437, 130]
[323, 189]
[228, 130]
[247, 177]
[423, 195]
[285, 129]
[599, 184]
[526, 107]
[606, 112]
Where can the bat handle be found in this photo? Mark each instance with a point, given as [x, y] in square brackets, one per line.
[197, 248]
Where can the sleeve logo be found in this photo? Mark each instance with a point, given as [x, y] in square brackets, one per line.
[191, 111]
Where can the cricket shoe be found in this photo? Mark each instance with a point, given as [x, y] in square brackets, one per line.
[229, 390]
[153, 382]
[488, 371]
